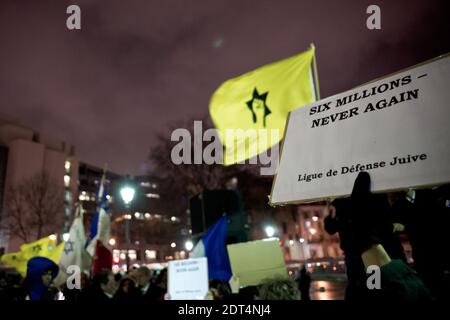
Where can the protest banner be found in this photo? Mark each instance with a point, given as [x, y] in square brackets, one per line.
[396, 128]
[254, 261]
[188, 279]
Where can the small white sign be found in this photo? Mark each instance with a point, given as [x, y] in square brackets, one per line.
[396, 128]
[188, 279]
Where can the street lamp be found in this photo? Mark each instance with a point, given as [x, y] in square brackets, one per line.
[127, 193]
[66, 236]
[270, 231]
[189, 245]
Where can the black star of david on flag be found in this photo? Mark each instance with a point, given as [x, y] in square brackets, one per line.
[258, 107]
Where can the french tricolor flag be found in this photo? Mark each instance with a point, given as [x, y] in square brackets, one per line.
[213, 246]
[98, 246]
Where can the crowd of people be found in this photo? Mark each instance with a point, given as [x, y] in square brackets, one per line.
[368, 225]
[140, 285]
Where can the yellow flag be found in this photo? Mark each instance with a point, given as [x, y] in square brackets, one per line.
[250, 111]
[37, 248]
[16, 261]
[45, 247]
[55, 253]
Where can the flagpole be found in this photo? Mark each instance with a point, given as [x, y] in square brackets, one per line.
[101, 190]
[315, 73]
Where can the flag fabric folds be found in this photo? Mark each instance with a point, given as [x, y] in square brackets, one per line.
[100, 231]
[74, 252]
[213, 246]
[260, 101]
[103, 258]
[44, 247]
[16, 261]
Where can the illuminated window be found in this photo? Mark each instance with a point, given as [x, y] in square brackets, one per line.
[66, 181]
[150, 254]
[132, 254]
[152, 195]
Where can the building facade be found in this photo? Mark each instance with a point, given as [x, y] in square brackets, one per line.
[25, 157]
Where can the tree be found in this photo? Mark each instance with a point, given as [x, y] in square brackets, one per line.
[34, 208]
[181, 182]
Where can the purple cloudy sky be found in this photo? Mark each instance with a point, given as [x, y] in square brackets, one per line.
[137, 66]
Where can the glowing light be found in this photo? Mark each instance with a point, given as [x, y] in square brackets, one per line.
[315, 218]
[189, 245]
[270, 231]
[150, 254]
[66, 180]
[132, 254]
[127, 194]
[302, 240]
[52, 237]
[66, 237]
[313, 231]
[112, 242]
[173, 245]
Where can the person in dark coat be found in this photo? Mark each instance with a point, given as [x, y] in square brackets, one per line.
[361, 207]
[369, 230]
[304, 284]
[41, 272]
[127, 291]
[425, 215]
[74, 294]
[102, 288]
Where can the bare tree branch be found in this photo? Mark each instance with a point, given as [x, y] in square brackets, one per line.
[35, 208]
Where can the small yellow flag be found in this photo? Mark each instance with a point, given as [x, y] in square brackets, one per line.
[16, 261]
[250, 111]
[45, 247]
[37, 248]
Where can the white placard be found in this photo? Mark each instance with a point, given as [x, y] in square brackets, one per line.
[188, 279]
[396, 128]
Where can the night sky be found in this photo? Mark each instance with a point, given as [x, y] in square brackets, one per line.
[137, 66]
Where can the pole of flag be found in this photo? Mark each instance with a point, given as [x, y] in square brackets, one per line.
[315, 73]
[102, 185]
